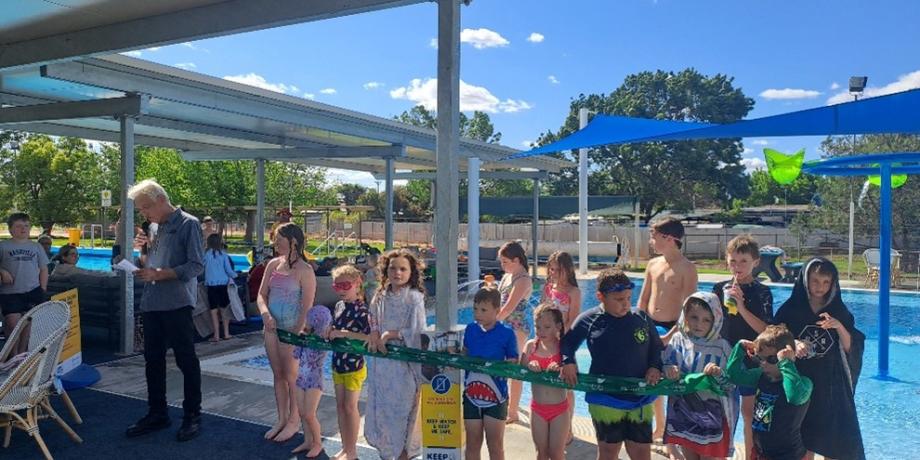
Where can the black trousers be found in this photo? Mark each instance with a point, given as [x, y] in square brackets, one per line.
[171, 329]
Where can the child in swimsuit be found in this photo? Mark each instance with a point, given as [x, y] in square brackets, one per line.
[550, 421]
[561, 289]
[310, 384]
[286, 294]
[515, 288]
[563, 293]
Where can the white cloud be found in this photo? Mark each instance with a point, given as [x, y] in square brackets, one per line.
[482, 38]
[310, 96]
[527, 144]
[747, 151]
[835, 86]
[328, 91]
[535, 37]
[433, 43]
[789, 93]
[253, 79]
[186, 65]
[903, 83]
[552, 79]
[471, 97]
[761, 142]
[373, 85]
[362, 178]
[139, 53]
[753, 164]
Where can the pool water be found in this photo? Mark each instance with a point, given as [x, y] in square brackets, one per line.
[889, 410]
[100, 259]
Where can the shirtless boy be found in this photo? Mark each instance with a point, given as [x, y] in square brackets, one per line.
[669, 279]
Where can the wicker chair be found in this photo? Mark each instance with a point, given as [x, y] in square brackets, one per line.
[24, 394]
[873, 258]
[42, 322]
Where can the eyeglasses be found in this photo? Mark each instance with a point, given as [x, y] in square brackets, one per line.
[342, 285]
[772, 359]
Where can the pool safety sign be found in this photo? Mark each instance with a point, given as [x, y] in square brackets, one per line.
[442, 416]
[71, 355]
[106, 196]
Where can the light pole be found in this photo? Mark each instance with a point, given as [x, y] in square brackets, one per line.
[857, 85]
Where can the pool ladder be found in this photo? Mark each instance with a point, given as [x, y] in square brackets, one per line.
[92, 234]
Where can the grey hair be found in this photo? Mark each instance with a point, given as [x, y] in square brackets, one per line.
[148, 188]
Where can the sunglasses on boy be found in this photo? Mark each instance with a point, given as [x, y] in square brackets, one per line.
[342, 285]
[772, 359]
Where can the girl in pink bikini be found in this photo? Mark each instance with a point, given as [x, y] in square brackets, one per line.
[562, 292]
[561, 289]
[549, 406]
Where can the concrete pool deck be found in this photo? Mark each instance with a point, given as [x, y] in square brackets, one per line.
[241, 393]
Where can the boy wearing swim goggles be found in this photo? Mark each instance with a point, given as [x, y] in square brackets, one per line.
[622, 344]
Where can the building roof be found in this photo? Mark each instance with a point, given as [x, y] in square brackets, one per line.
[210, 118]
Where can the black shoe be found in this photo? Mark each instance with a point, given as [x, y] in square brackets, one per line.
[191, 427]
[148, 424]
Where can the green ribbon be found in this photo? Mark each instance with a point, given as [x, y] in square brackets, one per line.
[690, 383]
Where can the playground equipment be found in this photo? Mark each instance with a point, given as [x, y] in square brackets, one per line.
[335, 241]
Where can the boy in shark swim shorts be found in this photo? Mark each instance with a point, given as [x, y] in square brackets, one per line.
[485, 398]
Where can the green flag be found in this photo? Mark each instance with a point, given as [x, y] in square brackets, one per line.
[897, 180]
[784, 168]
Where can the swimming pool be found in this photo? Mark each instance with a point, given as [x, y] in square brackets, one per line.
[889, 410]
[99, 259]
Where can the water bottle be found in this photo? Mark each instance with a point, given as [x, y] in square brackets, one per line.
[730, 303]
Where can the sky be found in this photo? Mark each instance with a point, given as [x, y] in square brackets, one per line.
[523, 61]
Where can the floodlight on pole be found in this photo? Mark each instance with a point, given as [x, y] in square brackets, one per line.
[857, 85]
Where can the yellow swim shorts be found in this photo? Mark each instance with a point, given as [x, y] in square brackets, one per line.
[352, 381]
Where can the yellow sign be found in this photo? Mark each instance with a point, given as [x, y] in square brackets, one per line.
[71, 355]
[442, 415]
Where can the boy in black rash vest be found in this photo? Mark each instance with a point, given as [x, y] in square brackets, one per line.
[752, 311]
[622, 344]
[782, 395]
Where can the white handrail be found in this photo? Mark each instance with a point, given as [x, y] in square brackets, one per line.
[92, 233]
[339, 245]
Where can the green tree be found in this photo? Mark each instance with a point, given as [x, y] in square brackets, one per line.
[766, 191]
[664, 174]
[478, 127]
[51, 180]
[351, 193]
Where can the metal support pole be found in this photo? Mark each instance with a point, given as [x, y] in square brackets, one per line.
[884, 272]
[446, 214]
[635, 261]
[582, 198]
[388, 213]
[850, 246]
[472, 226]
[533, 225]
[127, 232]
[260, 209]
